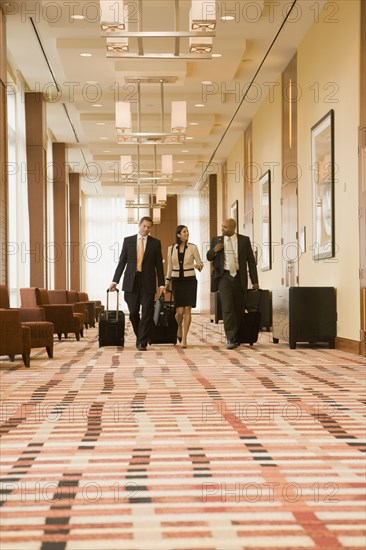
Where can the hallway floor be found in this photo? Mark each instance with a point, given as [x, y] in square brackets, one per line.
[172, 449]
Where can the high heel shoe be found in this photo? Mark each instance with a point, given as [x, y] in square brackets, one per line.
[179, 338]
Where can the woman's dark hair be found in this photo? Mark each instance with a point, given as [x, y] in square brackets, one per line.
[177, 231]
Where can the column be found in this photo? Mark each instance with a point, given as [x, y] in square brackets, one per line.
[35, 114]
[3, 154]
[74, 246]
[60, 214]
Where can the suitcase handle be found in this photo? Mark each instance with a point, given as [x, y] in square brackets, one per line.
[107, 309]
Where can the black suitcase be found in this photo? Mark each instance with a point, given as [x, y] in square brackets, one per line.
[112, 326]
[250, 323]
[165, 332]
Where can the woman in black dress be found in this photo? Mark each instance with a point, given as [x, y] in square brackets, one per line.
[183, 258]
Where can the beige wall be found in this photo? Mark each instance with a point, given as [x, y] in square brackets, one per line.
[267, 155]
[329, 57]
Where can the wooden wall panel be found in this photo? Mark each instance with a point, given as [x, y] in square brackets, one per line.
[248, 183]
[35, 114]
[75, 234]
[60, 215]
[165, 230]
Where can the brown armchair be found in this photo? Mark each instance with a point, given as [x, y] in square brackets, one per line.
[83, 297]
[15, 339]
[41, 331]
[73, 298]
[61, 315]
[61, 297]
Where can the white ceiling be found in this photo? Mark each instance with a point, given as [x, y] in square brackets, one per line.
[85, 81]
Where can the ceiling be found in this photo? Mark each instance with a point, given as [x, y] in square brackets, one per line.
[45, 43]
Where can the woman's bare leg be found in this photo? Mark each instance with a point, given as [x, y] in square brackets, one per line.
[186, 324]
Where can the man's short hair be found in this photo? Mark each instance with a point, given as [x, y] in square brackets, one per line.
[146, 219]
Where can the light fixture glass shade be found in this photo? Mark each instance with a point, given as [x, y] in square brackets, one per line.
[117, 45]
[201, 44]
[129, 195]
[156, 215]
[126, 165]
[161, 194]
[202, 15]
[179, 116]
[112, 16]
[166, 165]
[123, 116]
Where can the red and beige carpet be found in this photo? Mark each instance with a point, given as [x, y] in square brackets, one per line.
[172, 449]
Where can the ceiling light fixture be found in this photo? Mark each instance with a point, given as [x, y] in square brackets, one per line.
[124, 119]
[202, 22]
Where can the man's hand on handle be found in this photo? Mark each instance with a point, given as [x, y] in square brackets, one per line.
[255, 286]
[112, 287]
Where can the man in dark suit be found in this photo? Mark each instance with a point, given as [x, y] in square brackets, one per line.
[232, 256]
[141, 255]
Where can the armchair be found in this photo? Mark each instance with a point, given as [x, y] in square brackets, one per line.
[61, 297]
[61, 315]
[41, 331]
[15, 339]
[83, 297]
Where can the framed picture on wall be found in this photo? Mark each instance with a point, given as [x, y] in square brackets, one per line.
[234, 213]
[322, 173]
[265, 221]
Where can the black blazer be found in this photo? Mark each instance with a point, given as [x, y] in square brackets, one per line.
[245, 257]
[152, 264]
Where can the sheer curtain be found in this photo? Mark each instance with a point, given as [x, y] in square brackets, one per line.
[189, 215]
[105, 228]
[18, 216]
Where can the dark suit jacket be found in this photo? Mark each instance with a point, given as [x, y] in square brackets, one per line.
[245, 257]
[152, 264]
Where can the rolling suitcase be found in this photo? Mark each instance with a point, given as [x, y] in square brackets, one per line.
[251, 321]
[165, 326]
[112, 326]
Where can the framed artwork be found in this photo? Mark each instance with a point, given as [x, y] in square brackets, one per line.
[234, 213]
[265, 221]
[322, 164]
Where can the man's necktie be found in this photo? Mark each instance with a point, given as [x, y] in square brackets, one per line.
[140, 254]
[230, 257]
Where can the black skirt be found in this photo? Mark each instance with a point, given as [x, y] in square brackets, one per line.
[184, 291]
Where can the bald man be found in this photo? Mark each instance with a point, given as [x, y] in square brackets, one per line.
[232, 257]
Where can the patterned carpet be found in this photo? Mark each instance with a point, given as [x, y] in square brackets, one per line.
[172, 449]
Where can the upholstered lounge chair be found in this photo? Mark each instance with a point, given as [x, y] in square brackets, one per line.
[60, 297]
[61, 315]
[35, 319]
[15, 338]
[83, 297]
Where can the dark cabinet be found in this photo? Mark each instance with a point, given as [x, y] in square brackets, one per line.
[304, 314]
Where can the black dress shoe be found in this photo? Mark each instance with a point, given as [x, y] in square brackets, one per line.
[231, 345]
[140, 347]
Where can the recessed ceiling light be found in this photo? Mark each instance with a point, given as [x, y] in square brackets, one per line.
[179, 171]
[103, 138]
[193, 123]
[227, 18]
[97, 105]
[78, 17]
[85, 54]
[185, 151]
[199, 105]
[189, 137]
[106, 151]
[216, 55]
[206, 82]
[100, 123]
[181, 161]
